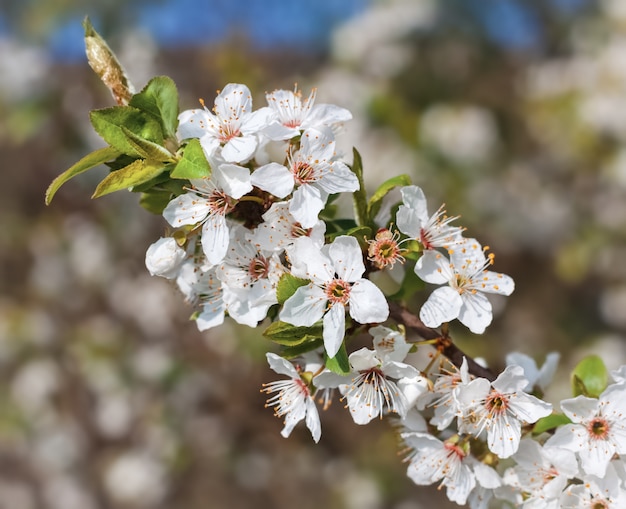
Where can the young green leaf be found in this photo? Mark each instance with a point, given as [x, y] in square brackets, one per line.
[286, 334]
[92, 160]
[339, 363]
[155, 201]
[160, 99]
[549, 423]
[134, 174]
[290, 352]
[590, 377]
[106, 65]
[287, 286]
[193, 164]
[383, 190]
[360, 196]
[109, 124]
[147, 149]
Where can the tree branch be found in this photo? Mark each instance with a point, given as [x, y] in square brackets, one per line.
[443, 344]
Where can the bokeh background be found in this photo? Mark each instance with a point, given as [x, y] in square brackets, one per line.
[513, 112]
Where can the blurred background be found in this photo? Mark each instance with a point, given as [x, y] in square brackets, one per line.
[510, 111]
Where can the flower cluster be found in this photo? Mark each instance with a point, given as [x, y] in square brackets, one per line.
[249, 195]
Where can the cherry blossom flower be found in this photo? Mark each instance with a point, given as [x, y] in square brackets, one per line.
[499, 408]
[540, 475]
[201, 287]
[251, 276]
[231, 131]
[315, 173]
[444, 402]
[371, 387]
[431, 460]
[598, 428]
[468, 280]
[293, 114]
[208, 202]
[538, 378]
[336, 283]
[293, 399]
[164, 258]
[595, 493]
[279, 230]
[431, 232]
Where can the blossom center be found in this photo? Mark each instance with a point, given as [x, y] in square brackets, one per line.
[258, 268]
[220, 202]
[425, 239]
[598, 428]
[497, 403]
[454, 449]
[384, 250]
[303, 172]
[597, 503]
[227, 132]
[298, 231]
[338, 291]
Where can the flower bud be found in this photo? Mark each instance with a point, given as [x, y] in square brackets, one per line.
[164, 258]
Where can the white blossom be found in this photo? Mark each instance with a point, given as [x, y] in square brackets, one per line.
[336, 274]
[164, 258]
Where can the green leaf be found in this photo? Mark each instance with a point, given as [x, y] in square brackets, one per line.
[92, 160]
[160, 98]
[377, 199]
[286, 334]
[360, 196]
[147, 149]
[106, 65]
[549, 423]
[358, 232]
[193, 164]
[339, 363]
[590, 377]
[296, 350]
[108, 123]
[134, 174]
[155, 201]
[287, 286]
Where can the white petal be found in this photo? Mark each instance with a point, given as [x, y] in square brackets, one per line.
[580, 408]
[367, 303]
[338, 179]
[347, 258]
[257, 120]
[233, 101]
[239, 149]
[273, 178]
[434, 268]
[316, 265]
[409, 222]
[193, 123]
[186, 209]
[363, 359]
[318, 143]
[443, 305]
[233, 179]
[215, 238]
[281, 366]
[305, 307]
[306, 204]
[313, 420]
[569, 436]
[212, 315]
[494, 282]
[325, 115]
[595, 458]
[504, 435]
[528, 408]
[475, 313]
[334, 329]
